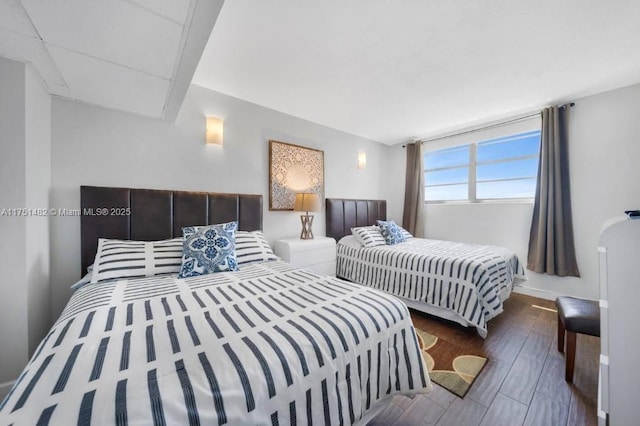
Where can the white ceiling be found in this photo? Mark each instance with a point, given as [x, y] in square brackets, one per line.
[392, 71]
[123, 54]
[386, 70]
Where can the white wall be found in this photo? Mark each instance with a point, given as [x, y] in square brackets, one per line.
[605, 155]
[394, 177]
[13, 296]
[97, 146]
[24, 183]
[605, 181]
[37, 186]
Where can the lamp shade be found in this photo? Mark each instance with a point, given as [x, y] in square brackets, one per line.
[307, 202]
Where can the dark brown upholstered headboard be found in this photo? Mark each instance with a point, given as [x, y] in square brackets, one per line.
[342, 215]
[156, 214]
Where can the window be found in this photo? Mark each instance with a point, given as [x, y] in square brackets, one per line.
[494, 169]
[447, 173]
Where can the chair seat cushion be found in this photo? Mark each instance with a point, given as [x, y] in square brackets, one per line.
[579, 315]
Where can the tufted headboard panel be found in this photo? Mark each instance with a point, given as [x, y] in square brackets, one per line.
[149, 214]
[344, 214]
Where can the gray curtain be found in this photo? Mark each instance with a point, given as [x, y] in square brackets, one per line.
[551, 247]
[413, 216]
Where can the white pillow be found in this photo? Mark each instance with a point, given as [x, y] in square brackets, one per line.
[350, 241]
[369, 236]
[405, 233]
[130, 259]
[252, 247]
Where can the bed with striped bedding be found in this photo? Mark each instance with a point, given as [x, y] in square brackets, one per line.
[466, 283]
[269, 344]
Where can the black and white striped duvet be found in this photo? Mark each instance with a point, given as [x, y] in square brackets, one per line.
[467, 279]
[269, 344]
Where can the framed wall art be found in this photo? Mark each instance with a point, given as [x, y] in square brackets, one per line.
[293, 169]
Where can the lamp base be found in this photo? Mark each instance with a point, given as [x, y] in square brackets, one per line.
[307, 221]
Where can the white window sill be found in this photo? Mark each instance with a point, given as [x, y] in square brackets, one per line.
[463, 202]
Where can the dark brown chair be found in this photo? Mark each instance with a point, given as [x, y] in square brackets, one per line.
[575, 316]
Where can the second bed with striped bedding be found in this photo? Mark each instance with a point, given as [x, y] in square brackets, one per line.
[269, 344]
[467, 279]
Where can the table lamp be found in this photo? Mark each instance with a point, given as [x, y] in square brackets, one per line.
[307, 202]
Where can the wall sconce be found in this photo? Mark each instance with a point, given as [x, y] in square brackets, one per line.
[362, 160]
[214, 130]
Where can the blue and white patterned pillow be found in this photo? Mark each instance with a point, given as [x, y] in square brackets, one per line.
[209, 249]
[391, 232]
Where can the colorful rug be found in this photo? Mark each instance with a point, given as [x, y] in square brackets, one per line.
[448, 364]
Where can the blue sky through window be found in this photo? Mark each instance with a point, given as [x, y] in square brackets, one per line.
[505, 167]
[448, 157]
[527, 167]
[522, 188]
[449, 192]
[520, 145]
[447, 176]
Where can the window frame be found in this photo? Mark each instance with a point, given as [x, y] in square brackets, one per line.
[473, 139]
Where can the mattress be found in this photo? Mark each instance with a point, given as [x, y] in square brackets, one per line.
[469, 280]
[270, 344]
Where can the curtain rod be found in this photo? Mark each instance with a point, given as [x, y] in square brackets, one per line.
[490, 126]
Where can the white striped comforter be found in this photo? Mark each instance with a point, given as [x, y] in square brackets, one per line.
[269, 344]
[464, 278]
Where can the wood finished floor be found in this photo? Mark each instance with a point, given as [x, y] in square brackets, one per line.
[523, 382]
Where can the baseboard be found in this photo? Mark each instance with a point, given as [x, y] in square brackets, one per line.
[5, 388]
[536, 292]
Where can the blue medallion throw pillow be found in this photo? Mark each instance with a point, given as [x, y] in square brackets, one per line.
[209, 249]
[391, 232]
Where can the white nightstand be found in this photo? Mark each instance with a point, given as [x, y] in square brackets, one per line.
[318, 254]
